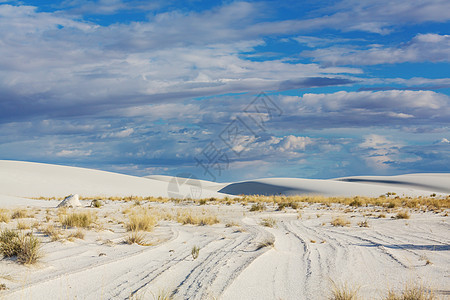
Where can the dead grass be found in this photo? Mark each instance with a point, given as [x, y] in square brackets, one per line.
[137, 237]
[343, 292]
[19, 214]
[52, 232]
[189, 217]
[265, 243]
[26, 247]
[81, 219]
[403, 215]
[268, 222]
[143, 221]
[4, 216]
[411, 292]
[340, 221]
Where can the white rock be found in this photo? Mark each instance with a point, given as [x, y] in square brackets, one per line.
[70, 201]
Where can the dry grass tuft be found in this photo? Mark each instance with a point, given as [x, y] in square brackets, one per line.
[137, 237]
[82, 219]
[195, 252]
[258, 207]
[27, 248]
[19, 214]
[403, 215]
[144, 222]
[268, 222]
[364, 223]
[343, 292]
[412, 292]
[265, 243]
[79, 234]
[23, 225]
[4, 216]
[340, 221]
[188, 217]
[52, 232]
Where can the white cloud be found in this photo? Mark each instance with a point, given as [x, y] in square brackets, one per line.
[73, 153]
[119, 134]
[423, 47]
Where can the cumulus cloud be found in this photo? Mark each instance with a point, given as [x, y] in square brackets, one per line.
[362, 109]
[54, 64]
[423, 47]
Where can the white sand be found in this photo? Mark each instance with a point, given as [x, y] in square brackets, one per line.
[308, 252]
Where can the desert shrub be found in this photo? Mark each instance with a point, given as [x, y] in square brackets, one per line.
[27, 248]
[340, 221]
[403, 215]
[411, 292]
[30, 249]
[195, 252]
[23, 225]
[96, 203]
[4, 216]
[268, 222]
[79, 234]
[187, 217]
[364, 223]
[77, 220]
[258, 207]
[9, 243]
[356, 202]
[136, 237]
[143, 222]
[264, 244]
[343, 292]
[19, 214]
[52, 232]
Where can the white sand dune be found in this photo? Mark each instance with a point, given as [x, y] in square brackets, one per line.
[415, 184]
[308, 251]
[27, 179]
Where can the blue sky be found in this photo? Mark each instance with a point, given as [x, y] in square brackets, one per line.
[174, 87]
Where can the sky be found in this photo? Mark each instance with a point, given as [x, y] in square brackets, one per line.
[227, 90]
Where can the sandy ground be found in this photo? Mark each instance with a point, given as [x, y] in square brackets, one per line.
[308, 253]
[239, 258]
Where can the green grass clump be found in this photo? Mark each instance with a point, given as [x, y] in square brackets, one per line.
[195, 252]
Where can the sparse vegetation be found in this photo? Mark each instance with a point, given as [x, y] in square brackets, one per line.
[52, 232]
[340, 221]
[143, 221]
[4, 216]
[19, 214]
[195, 252]
[258, 207]
[343, 292]
[25, 247]
[364, 223]
[403, 215]
[96, 203]
[188, 217]
[268, 222]
[411, 292]
[82, 219]
[136, 237]
[265, 243]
